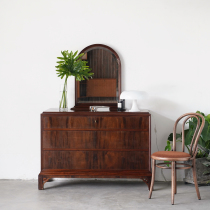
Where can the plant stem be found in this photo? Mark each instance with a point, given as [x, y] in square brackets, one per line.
[64, 96]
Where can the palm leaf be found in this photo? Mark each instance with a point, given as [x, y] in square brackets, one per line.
[71, 65]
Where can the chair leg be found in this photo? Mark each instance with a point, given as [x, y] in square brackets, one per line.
[195, 179]
[175, 174]
[153, 178]
[172, 181]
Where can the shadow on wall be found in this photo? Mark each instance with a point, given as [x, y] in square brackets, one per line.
[161, 127]
[164, 113]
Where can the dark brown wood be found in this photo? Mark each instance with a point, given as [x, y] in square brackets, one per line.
[104, 140]
[95, 121]
[78, 173]
[175, 156]
[147, 181]
[95, 160]
[40, 182]
[90, 144]
[105, 64]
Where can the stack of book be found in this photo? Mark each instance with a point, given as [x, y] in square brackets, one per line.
[99, 108]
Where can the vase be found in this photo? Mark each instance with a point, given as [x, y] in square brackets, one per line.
[63, 102]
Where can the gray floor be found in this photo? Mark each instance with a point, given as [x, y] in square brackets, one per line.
[98, 194]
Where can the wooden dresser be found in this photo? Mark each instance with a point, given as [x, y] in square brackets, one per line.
[95, 145]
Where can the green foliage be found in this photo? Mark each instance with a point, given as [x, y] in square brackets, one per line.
[200, 154]
[204, 139]
[71, 64]
[170, 137]
[168, 146]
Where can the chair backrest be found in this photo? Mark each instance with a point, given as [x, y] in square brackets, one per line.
[196, 135]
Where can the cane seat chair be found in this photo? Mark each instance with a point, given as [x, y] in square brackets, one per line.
[175, 156]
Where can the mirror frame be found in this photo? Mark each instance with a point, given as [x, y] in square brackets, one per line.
[112, 105]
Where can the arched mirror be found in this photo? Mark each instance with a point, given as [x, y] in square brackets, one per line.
[105, 87]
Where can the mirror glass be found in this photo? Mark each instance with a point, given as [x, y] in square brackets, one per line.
[105, 86]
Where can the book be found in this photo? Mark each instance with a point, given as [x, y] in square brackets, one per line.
[99, 108]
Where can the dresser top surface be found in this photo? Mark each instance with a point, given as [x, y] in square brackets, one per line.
[69, 112]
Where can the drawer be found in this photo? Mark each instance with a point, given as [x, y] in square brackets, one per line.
[124, 122]
[71, 122]
[96, 122]
[96, 139]
[109, 160]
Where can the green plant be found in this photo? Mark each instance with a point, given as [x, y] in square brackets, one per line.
[204, 140]
[71, 64]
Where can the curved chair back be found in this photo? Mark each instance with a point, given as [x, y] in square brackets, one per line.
[196, 135]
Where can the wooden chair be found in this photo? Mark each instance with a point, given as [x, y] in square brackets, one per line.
[174, 156]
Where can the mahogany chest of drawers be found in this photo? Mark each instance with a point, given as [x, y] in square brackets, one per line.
[95, 145]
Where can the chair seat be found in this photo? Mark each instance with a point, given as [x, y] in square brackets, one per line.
[171, 156]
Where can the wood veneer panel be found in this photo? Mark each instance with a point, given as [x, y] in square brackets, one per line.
[96, 122]
[70, 139]
[96, 140]
[122, 122]
[72, 122]
[95, 160]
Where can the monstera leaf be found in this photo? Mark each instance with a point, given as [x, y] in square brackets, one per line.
[204, 139]
[206, 131]
[190, 132]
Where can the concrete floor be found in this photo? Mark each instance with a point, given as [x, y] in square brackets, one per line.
[79, 194]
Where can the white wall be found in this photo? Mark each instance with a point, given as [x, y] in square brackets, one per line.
[164, 47]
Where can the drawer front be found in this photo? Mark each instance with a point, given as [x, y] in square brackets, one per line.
[109, 160]
[71, 122]
[124, 122]
[96, 122]
[96, 139]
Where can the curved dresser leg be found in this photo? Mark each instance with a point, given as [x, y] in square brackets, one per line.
[147, 181]
[40, 182]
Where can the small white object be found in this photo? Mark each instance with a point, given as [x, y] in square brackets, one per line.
[99, 108]
[132, 95]
[134, 107]
[119, 105]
